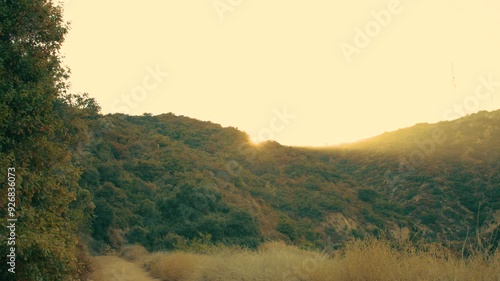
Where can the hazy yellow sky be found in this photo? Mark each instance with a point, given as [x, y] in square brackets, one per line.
[302, 72]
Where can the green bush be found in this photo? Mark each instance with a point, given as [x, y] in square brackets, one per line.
[367, 195]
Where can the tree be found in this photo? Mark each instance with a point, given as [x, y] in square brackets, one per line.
[103, 219]
[34, 141]
[367, 195]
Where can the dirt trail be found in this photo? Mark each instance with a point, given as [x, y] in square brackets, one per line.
[112, 268]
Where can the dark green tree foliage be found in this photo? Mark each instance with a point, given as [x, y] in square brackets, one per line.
[38, 142]
[367, 195]
[102, 221]
[287, 227]
[165, 184]
[191, 210]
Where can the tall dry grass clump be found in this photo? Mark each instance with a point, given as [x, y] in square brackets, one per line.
[376, 260]
[274, 261]
[178, 266]
[367, 260]
[133, 253]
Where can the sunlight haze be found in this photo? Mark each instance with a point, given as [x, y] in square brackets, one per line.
[298, 72]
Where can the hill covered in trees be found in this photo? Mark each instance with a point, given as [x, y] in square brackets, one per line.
[77, 181]
[164, 180]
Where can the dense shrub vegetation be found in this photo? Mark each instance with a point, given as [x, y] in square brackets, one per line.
[92, 182]
[158, 184]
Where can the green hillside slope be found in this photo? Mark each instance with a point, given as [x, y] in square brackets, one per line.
[164, 180]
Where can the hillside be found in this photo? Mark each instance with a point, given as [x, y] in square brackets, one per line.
[445, 174]
[79, 184]
[166, 180]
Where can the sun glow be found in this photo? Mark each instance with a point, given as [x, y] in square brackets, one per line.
[255, 141]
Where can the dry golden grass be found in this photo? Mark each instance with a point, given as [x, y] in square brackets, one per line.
[177, 266]
[112, 268]
[370, 260]
[133, 252]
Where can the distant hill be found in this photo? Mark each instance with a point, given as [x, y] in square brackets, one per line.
[164, 180]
